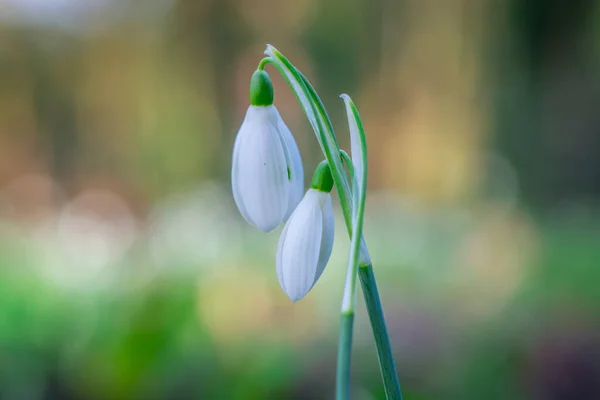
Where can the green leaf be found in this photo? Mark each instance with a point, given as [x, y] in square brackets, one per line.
[359, 189]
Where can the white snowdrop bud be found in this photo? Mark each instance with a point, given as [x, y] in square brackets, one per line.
[267, 177]
[307, 238]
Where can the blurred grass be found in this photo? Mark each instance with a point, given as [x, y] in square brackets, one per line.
[156, 341]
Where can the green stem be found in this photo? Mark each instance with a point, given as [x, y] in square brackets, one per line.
[321, 124]
[344, 353]
[382, 340]
[262, 63]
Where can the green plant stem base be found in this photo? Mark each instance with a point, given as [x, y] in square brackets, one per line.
[382, 340]
[344, 354]
[323, 128]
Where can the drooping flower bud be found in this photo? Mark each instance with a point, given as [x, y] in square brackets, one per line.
[307, 239]
[267, 177]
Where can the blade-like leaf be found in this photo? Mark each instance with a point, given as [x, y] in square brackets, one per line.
[356, 145]
[358, 250]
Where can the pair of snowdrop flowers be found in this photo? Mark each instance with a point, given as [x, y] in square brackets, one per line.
[267, 180]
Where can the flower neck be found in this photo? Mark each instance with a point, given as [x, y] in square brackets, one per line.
[261, 89]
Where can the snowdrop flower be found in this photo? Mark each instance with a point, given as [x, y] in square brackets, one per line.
[307, 238]
[267, 176]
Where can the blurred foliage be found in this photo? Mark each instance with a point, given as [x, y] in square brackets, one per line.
[127, 273]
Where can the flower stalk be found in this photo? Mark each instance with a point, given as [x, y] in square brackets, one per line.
[352, 204]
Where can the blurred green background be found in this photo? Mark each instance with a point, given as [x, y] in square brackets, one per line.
[126, 271]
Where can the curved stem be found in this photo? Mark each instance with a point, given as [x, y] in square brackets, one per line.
[262, 63]
[319, 120]
[321, 124]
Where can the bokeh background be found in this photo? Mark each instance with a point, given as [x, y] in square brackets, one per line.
[126, 271]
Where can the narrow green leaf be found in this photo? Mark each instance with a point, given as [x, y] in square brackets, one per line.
[359, 188]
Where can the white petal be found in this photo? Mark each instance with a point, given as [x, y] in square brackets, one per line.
[299, 247]
[259, 171]
[278, 257]
[237, 197]
[294, 162]
[327, 236]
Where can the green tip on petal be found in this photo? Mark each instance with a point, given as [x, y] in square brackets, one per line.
[322, 179]
[261, 89]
